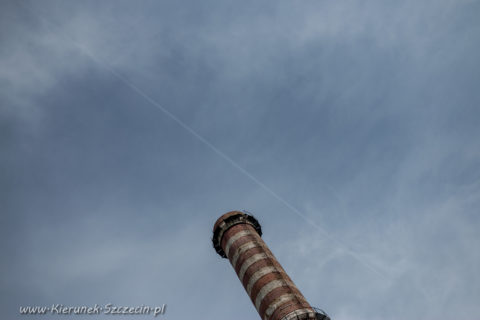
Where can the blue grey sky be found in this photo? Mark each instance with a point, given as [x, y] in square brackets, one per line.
[356, 121]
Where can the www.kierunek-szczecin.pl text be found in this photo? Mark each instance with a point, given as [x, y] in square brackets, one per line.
[108, 308]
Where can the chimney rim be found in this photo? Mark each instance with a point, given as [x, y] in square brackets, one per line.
[226, 221]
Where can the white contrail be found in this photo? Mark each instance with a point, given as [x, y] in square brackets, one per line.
[142, 93]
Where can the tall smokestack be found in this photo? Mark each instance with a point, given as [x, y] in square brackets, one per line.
[237, 236]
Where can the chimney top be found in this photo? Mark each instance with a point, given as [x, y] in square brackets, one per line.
[228, 220]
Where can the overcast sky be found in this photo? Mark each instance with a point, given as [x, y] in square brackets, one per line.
[350, 129]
